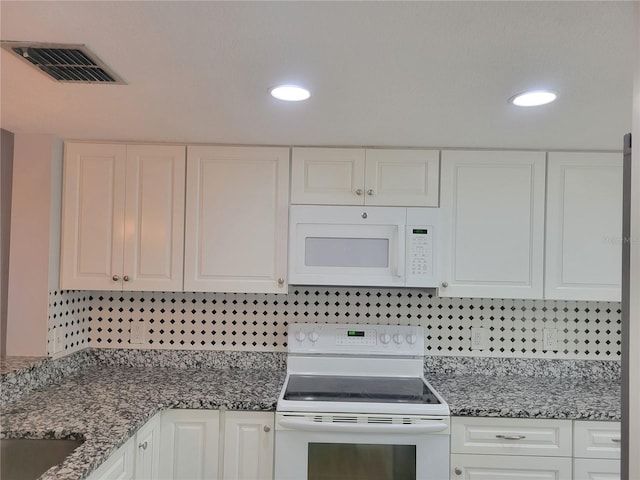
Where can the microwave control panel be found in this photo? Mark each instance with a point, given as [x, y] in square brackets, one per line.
[420, 258]
[420, 267]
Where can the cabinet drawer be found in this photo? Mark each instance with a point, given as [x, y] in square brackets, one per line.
[596, 439]
[511, 436]
[596, 469]
[498, 467]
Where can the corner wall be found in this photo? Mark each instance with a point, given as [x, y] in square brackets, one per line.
[35, 229]
[6, 176]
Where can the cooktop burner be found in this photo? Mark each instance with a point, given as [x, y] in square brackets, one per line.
[367, 389]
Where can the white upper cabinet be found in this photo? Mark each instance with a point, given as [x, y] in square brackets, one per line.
[492, 224]
[584, 226]
[123, 217]
[327, 176]
[237, 219]
[356, 176]
[402, 177]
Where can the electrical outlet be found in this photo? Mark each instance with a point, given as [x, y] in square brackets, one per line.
[550, 339]
[58, 340]
[479, 338]
[137, 333]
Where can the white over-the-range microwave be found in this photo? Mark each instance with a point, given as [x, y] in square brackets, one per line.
[364, 246]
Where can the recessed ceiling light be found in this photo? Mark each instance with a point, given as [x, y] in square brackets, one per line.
[290, 93]
[533, 98]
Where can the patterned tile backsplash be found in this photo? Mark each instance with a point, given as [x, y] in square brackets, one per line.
[257, 322]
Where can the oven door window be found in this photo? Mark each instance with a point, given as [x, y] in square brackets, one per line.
[339, 461]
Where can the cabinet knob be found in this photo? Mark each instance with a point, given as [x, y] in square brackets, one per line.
[143, 445]
[457, 471]
[266, 428]
[125, 278]
[115, 278]
[370, 192]
[359, 192]
[444, 284]
[280, 282]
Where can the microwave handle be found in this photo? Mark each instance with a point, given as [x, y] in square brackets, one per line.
[401, 251]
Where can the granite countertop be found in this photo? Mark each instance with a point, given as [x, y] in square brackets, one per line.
[108, 404]
[530, 397]
[110, 396]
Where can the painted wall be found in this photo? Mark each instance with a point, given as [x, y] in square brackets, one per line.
[34, 237]
[6, 176]
[631, 468]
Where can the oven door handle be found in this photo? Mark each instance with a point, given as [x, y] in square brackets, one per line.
[311, 426]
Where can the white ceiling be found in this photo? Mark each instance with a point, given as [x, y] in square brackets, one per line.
[381, 73]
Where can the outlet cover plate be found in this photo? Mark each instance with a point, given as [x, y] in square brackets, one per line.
[137, 333]
[479, 338]
[550, 339]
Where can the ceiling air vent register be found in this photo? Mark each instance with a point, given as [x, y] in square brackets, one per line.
[64, 63]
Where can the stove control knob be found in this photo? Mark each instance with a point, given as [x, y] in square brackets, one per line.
[313, 336]
[411, 339]
[300, 336]
[385, 338]
[398, 338]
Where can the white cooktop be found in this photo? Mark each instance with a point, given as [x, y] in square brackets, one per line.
[358, 369]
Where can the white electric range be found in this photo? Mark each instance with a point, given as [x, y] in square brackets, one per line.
[355, 405]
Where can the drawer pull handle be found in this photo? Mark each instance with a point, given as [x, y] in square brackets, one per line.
[511, 437]
[615, 440]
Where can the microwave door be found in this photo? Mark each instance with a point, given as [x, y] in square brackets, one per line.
[340, 254]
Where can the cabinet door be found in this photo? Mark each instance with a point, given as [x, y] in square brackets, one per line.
[248, 446]
[237, 219]
[93, 216]
[496, 467]
[402, 177]
[492, 224]
[596, 469]
[584, 226]
[119, 466]
[331, 176]
[154, 226]
[147, 444]
[189, 445]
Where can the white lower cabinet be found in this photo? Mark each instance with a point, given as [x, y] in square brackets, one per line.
[248, 445]
[510, 449]
[596, 469]
[119, 466]
[534, 449]
[189, 441]
[596, 448]
[212, 444]
[505, 467]
[147, 448]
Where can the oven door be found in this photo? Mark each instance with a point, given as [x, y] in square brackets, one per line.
[361, 447]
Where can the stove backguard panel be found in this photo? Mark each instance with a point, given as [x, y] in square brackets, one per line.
[257, 322]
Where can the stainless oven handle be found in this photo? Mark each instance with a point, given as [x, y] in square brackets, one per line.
[311, 426]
